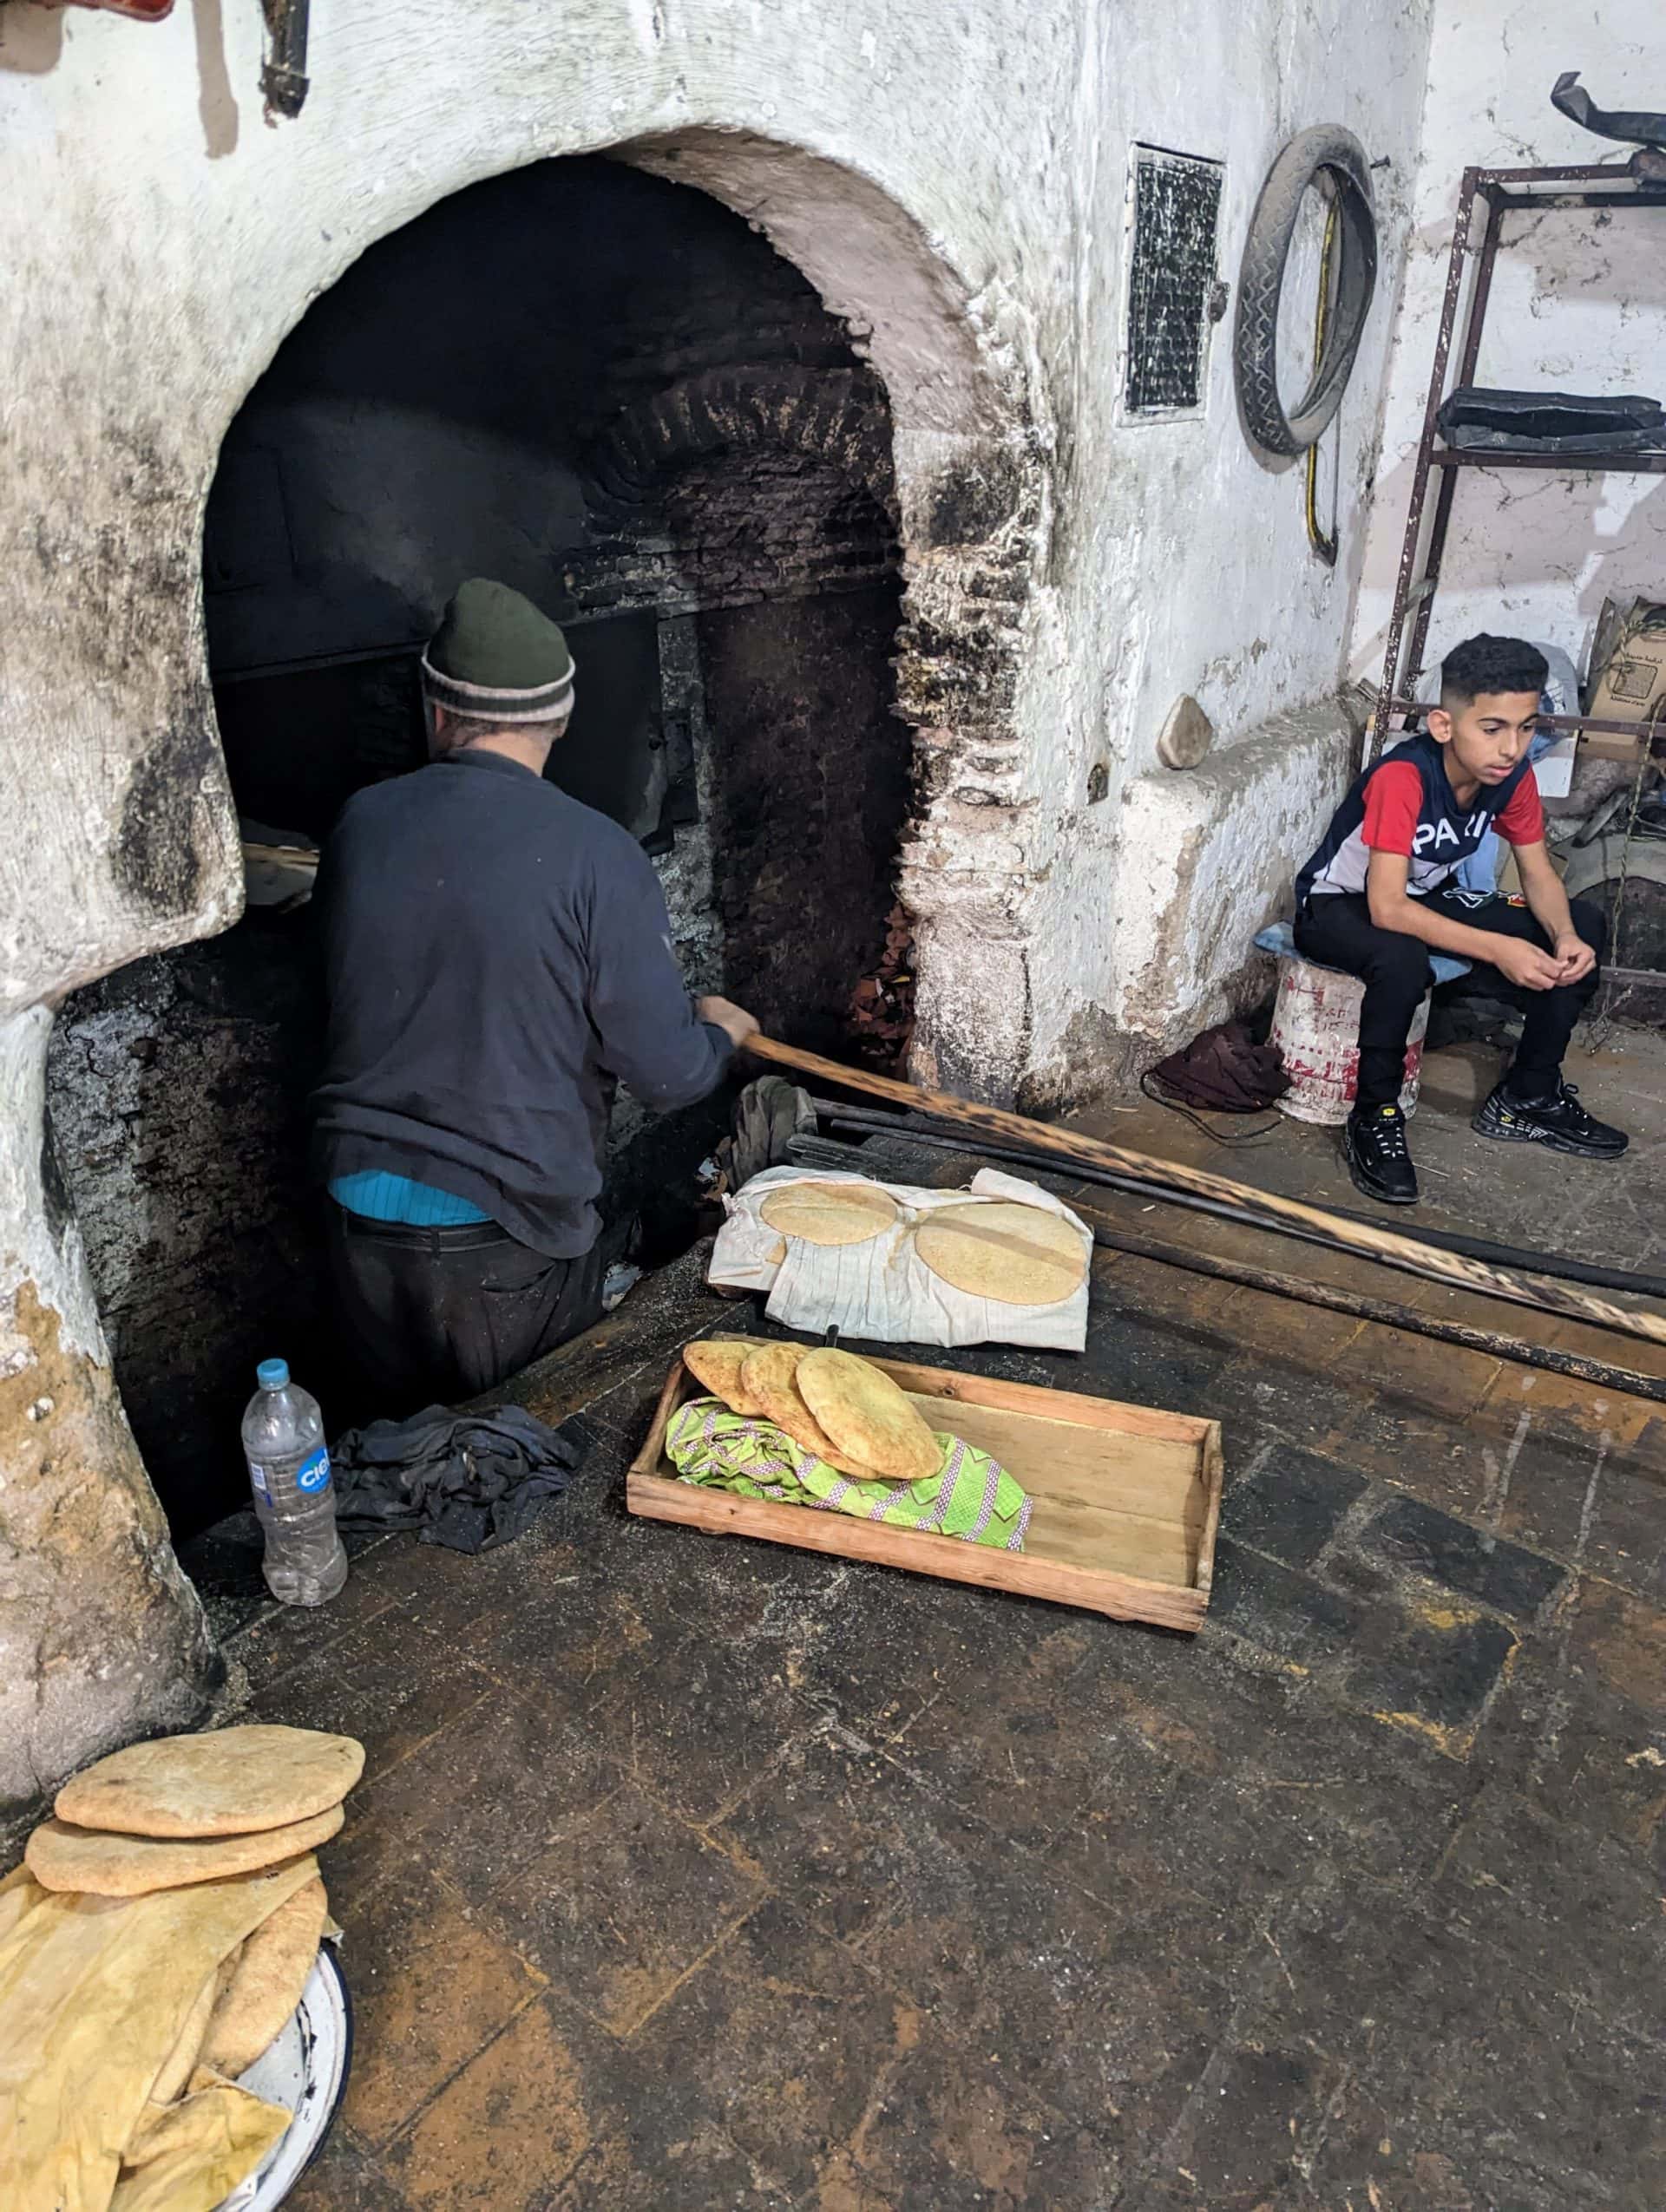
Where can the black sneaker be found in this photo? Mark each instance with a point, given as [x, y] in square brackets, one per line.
[1379, 1159]
[1559, 1122]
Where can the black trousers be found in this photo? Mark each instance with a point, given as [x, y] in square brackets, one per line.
[441, 1315]
[1338, 931]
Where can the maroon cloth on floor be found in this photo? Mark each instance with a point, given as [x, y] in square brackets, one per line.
[1223, 1070]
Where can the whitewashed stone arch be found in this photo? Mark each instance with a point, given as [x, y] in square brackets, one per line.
[133, 340]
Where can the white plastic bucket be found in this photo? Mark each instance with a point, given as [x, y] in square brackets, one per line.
[1317, 1027]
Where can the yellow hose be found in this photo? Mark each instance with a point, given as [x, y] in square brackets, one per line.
[1323, 545]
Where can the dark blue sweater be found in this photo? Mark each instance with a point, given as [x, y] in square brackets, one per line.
[495, 956]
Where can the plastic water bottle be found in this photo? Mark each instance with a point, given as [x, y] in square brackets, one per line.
[289, 1473]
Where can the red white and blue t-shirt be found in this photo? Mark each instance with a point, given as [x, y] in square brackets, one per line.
[1404, 804]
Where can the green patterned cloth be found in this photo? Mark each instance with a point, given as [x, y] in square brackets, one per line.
[971, 1496]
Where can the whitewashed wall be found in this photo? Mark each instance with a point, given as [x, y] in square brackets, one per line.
[1578, 305]
[953, 183]
[1198, 575]
[965, 207]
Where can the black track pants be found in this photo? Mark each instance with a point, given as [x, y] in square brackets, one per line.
[1337, 930]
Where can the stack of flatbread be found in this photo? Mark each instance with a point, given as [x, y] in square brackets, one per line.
[846, 1411]
[153, 1945]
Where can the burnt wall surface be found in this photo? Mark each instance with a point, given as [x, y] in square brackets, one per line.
[608, 391]
[444, 409]
[808, 783]
[176, 1090]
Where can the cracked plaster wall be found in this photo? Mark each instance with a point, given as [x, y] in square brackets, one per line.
[1578, 303]
[1215, 589]
[955, 193]
[101, 1638]
[954, 185]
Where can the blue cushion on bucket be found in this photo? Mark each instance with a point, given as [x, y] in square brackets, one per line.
[1279, 940]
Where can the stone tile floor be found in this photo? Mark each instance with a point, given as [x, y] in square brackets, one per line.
[691, 1872]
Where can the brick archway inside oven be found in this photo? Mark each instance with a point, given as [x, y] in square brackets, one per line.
[798, 766]
[862, 714]
[121, 674]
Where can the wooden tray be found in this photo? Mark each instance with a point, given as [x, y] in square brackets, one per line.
[1127, 1500]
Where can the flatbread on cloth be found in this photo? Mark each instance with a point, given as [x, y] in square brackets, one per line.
[866, 1415]
[62, 1858]
[189, 2157]
[969, 1495]
[1012, 1255]
[266, 1984]
[94, 1992]
[829, 1212]
[230, 1781]
[881, 1291]
[715, 1363]
[769, 1377]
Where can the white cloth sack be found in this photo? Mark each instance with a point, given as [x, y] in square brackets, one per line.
[883, 1290]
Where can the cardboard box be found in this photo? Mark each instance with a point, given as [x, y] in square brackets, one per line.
[1628, 665]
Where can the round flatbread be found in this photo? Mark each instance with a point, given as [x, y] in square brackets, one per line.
[230, 1781]
[867, 1416]
[829, 1212]
[768, 1377]
[266, 1984]
[715, 1363]
[1017, 1255]
[62, 1858]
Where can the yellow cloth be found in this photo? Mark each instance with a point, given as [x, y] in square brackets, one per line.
[189, 2157]
[971, 1496]
[94, 1992]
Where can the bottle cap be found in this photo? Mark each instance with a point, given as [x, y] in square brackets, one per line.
[272, 1374]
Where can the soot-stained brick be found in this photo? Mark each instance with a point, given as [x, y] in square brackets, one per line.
[1291, 1506]
[1452, 1553]
[972, 504]
[1433, 1671]
[1285, 1613]
[155, 858]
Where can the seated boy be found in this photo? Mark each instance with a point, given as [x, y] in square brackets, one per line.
[1380, 892]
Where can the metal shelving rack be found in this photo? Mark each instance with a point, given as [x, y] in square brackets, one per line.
[1501, 191]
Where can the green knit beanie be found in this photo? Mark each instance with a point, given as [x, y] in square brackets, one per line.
[495, 658]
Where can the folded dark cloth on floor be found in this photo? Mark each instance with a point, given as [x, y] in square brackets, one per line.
[469, 1482]
[1479, 416]
[1222, 1071]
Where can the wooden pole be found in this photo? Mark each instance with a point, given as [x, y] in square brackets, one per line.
[1383, 1313]
[1076, 1146]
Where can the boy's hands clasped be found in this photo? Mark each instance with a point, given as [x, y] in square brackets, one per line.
[1531, 969]
[1574, 957]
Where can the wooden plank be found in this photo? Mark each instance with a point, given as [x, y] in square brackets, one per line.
[1092, 1467]
[1076, 1407]
[1122, 1597]
[1090, 1543]
[1088, 1536]
[1214, 1483]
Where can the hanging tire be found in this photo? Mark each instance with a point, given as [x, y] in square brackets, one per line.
[1338, 156]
